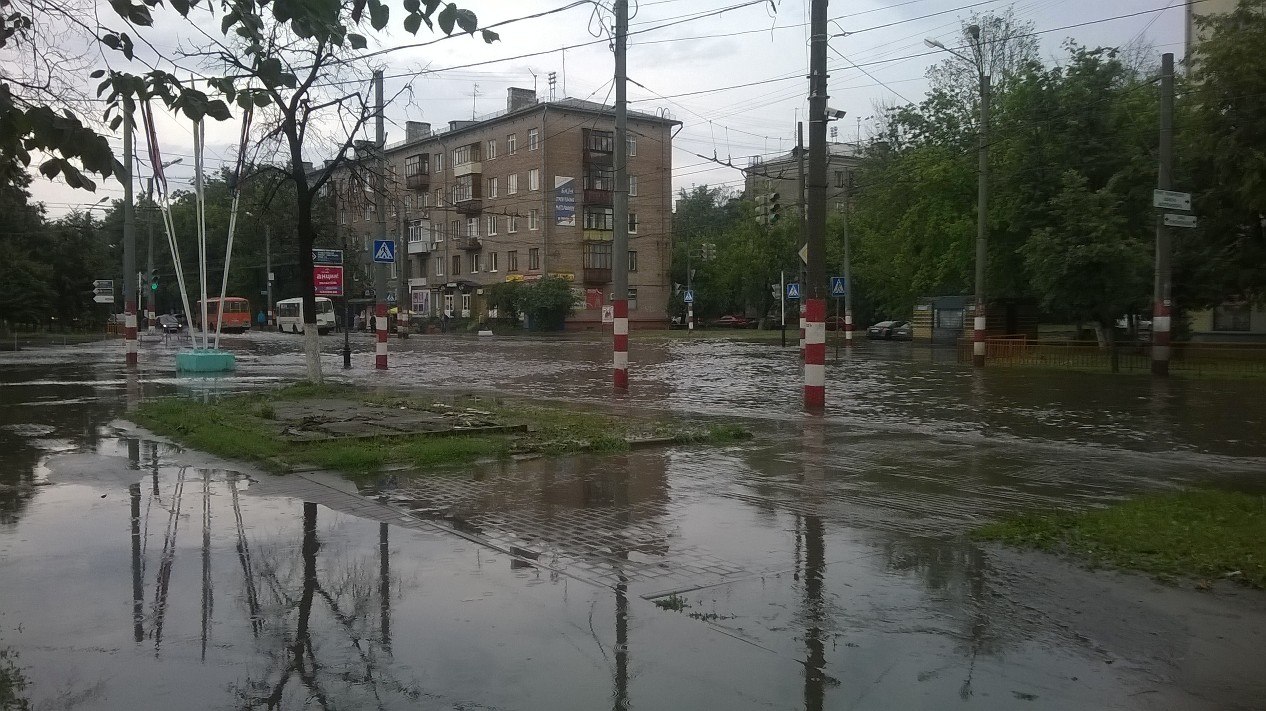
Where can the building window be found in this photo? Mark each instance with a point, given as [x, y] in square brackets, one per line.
[492, 225]
[534, 219]
[463, 155]
[512, 184]
[455, 229]
[512, 260]
[632, 299]
[532, 139]
[1232, 317]
[448, 304]
[492, 148]
[465, 305]
[439, 162]
[492, 262]
[597, 255]
[415, 165]
[600, 141]
[492, 187]
[632, 186]
[369, 213]
[534, 258]
[424, 200]
[474, 263]
[472, 227]
[599, 177]
[632, 260]
[514, 224]
[632, 223]
[839, 178]
[457, 264]
[439, 267]
[631, 143]
[342, 217]
[534, 179]
[511, 144]
[466, 188]
[599, 218]
[439, 197]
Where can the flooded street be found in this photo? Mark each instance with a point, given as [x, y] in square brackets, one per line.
[825, 564]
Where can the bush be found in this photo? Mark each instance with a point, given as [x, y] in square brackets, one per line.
[547, 303]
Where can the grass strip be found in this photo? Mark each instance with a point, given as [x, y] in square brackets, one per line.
[1201, 533]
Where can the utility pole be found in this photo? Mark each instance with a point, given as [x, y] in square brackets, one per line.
[848, 267]
[404, 300]
[803, 231]
[150, 292]
[813, 292]
[380, 207]
[982, 220]
[690, 289]
[268, 271]
[129, 242]
[1162, 286]
[620, 260]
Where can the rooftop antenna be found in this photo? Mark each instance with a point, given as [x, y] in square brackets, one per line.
[473, 95]
[553, 79]
[533, 79]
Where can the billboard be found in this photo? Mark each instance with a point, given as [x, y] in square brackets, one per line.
[564, 201]
[327, 280]
[421, 302]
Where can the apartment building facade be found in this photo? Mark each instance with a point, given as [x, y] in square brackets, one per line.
[781, 174]
[522, 194]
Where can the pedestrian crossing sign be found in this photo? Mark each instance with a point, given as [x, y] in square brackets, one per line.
[690, 296]
[384, 251]
[793, 291]
[837, 287]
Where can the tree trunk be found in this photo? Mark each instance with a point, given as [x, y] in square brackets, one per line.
[306, 237]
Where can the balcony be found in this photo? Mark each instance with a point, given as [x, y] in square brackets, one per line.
[463, 169]
[592, 235]
[470, 243]
[419, 246]
[599, 197]
[418, 181]
[470, 206]
[597, 276]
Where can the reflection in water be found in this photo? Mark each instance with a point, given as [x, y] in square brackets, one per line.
[138, 584]
[167, 560]
[208, 601]
[813, 614]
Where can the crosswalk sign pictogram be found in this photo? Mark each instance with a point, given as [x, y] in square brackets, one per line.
[690, 296]
[837, 287]
[793, 291]
[384, 251]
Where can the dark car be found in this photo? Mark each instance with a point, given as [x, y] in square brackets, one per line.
[883, 330]
[170, 324]
[731, 321]
[835, 323]
[904, 332]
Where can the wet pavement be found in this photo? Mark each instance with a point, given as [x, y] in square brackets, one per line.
[823, 565]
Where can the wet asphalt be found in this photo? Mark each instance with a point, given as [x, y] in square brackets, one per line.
[823, 565]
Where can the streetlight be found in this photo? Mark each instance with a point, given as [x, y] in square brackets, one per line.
[982, 225]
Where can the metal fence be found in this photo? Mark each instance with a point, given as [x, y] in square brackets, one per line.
[1195, 358]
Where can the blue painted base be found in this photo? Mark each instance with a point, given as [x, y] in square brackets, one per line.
[204, 361]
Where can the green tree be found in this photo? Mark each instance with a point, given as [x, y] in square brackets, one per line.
[547, 303]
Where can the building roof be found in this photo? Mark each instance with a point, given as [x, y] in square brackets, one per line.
[566, 104]
[834, 150]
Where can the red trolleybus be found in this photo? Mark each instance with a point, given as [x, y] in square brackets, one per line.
[235, 314]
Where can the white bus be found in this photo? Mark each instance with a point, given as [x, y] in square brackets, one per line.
[290, 315]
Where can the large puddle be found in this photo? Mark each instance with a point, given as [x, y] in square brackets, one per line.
[822, 565]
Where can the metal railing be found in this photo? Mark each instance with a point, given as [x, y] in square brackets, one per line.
[1128, 356]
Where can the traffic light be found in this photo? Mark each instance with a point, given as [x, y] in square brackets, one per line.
[768, 209]
[153, 280]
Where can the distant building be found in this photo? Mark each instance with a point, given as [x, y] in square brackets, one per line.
[520, 194]
[1202, 8]
[782, 175]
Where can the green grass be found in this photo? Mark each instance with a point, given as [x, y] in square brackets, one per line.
[673, 602]
[1200, 533]
[247, 427]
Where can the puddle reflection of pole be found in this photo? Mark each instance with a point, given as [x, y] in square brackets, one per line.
[384, 587]
[208, 601]
[244, 557]
[167, 560]
[138, 585]
[813, 605]
[621, 701]
[153, 465]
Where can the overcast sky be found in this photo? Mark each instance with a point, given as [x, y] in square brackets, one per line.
[685, 61]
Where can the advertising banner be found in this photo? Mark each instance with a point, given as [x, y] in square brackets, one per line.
[564, 201]
[328, 280]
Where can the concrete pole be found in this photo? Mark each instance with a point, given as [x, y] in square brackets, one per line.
[150, 317]
[803, 218]
[380, 198]
[404, 300]
[1162, 302]
[848, 269]
[129, 243]
[690, 289]
[813, 292]
[982, 226]
[268, 269]
[620, 260]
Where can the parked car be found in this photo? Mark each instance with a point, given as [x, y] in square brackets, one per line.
[732, 321]
[835, 323]
[904, 332]
[170, 324]
[883, 330]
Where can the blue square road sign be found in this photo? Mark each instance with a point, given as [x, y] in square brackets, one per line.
[384, 251]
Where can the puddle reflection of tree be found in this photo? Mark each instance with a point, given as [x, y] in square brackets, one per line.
[347, 591]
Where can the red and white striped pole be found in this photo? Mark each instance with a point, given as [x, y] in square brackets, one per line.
[848, 328]
[380, 324]
[621, 355]
[1160, 337]
[129, 331]
[800, 306]
[815, 354]
[978, 336]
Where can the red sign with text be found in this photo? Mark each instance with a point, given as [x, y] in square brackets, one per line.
[327, 280]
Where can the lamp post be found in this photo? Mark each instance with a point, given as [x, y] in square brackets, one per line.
[982, 208]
